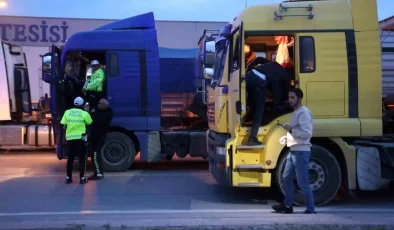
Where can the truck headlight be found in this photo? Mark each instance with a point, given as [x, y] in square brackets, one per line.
[221, 151]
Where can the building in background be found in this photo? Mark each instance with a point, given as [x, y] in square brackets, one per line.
[387, 41]
[36, 35]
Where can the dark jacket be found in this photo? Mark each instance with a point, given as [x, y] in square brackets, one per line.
[257, 61]
[102, 117]
[101, 122]
[278, 81]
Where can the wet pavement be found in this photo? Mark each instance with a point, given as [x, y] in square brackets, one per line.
[176, 193]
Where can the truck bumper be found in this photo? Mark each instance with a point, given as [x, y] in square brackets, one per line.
[217, 157]
[218, 173]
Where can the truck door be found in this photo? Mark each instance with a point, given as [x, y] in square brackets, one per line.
[322, 73]
[18, 80]
[57, 102]
[127, 88]
[237, 84]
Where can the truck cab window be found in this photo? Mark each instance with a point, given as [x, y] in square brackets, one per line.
[236, 57]
[73, 79]
[273, 56]
[307, 55]
[113, 65]
[221, 52]
[261, 54]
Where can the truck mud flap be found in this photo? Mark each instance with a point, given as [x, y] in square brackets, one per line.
[374, 164]
[154, 147]
[197, 143]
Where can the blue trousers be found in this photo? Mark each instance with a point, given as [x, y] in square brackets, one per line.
[297, 164]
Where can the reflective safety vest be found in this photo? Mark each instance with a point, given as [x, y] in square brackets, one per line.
[96, 81]
[75, 121]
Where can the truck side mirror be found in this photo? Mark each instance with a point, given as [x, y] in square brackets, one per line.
[208, 73]
[46, 68]
[209, 54]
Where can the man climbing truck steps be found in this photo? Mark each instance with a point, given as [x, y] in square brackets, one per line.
[332, 54]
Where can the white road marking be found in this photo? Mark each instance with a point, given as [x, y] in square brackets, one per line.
[125, 174]
[91, 212]
[2, 157]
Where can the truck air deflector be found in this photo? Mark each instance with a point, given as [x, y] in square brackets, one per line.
[142, 21]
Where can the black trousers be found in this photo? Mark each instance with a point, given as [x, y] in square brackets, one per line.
[256, 88]
[97, 142]
[76, 148]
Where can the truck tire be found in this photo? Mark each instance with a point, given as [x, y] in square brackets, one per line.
[118, 152]
[324, 177]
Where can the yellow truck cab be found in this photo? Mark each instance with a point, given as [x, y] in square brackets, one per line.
[335, 58]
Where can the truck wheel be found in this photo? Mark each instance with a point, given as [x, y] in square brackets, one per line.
[118, 152]
[324, 177]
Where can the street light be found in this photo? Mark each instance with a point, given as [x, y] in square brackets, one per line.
[3, 4]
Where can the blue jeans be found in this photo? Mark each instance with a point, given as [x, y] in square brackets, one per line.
[297, 164]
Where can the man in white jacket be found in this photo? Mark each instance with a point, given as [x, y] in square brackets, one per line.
[299, 133]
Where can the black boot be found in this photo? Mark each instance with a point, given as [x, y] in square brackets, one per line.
[309, 212]
[282, 208]
[96, 177]
[254, 141]
[83, 180]
[68, 180]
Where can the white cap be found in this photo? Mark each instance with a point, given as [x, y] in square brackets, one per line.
[95, 62]
[78, 101]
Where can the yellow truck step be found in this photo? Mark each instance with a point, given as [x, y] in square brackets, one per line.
[249, 167]
[249, 184]
[251, 179]
[246, 147]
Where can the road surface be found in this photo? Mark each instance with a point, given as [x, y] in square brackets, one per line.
[178, 193]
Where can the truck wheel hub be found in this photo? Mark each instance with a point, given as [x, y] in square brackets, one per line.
[317, 176]
[114, 152]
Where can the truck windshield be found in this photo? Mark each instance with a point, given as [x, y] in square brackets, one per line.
[72, 67]
[221, 51]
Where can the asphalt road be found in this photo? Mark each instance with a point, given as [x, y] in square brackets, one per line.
[33, 195]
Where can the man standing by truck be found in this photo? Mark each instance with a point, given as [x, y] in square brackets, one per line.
[75, 121]
[94, 89]
[102, 116]
[299, 133]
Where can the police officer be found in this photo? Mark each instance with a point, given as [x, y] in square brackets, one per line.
[94, 89]
[75, 121]
[102, 117]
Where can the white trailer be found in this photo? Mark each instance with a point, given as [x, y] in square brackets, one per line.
[387, 42]
[20, 124]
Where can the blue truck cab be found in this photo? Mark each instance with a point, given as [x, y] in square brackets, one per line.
[129, 54]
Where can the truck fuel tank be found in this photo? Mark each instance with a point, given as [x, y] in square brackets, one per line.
[40, 136]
